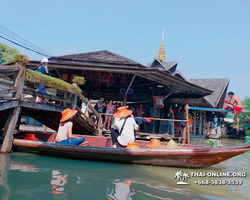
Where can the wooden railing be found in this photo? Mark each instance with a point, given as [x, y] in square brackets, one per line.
[18, 90]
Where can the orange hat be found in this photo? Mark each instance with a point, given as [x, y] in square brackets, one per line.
[31, 136]
[154, 143]
[122, 112]
[132, 145]
[67, 114]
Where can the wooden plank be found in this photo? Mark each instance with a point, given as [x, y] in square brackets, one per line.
[127, 89]
[7, 91]
[19, 82]
[88, 120]
[46, 96]
[42, 106]
[8, 138]
[8, 104]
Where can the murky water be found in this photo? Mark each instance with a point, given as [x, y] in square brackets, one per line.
[27, 176]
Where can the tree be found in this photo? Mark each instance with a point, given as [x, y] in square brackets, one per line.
[7, 53]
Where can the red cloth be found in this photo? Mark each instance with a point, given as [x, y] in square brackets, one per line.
[237, 109]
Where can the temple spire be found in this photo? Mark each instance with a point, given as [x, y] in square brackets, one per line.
[161, 56]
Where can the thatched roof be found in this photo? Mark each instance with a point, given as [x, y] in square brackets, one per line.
[219, 88]
[104, 56]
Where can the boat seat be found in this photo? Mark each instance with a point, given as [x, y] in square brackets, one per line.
[86, 143]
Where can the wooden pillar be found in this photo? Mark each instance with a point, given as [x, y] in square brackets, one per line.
[204, 123]
[99, 126]
[194, 123]
[4, 169]
[127, 89]
[74, 99]
[200, 123]
[187, 124]
[14, 114]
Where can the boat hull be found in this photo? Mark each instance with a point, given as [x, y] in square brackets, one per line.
[184, 158]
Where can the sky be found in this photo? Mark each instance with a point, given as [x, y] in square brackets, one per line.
[208, 38]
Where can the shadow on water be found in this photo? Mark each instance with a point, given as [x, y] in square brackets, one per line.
[26, 176]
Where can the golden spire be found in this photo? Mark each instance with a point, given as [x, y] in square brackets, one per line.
[161, 56]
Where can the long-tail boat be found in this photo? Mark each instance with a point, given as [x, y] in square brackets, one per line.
[100, 149]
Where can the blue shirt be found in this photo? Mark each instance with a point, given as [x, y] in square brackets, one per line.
[100, 109]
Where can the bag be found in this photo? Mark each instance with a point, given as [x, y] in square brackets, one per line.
[123, 125]
[96, 106]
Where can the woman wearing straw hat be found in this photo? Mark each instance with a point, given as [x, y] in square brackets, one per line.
[64, 135]
[123, 131]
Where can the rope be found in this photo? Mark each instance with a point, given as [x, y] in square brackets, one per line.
[216, 110]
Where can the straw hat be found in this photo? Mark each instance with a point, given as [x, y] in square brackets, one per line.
[122, 112]
[67, 114]
[132, 145]
[154, 143]
[172, 145]
[31, 136]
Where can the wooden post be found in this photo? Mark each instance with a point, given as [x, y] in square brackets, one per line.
[187, 123]
[14, 114]
[200, 123]
[99, 126]
[204, 123]
[194, 123]
[127, 89]
[4, 169]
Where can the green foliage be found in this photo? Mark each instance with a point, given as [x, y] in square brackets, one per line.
[247, 132]
[7, 53]
[37, 77]
[79, 80]
[210, 142]
[23, 59]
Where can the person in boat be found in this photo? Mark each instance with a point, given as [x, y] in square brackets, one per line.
[234, 104]
[124, 128]
[64, 134]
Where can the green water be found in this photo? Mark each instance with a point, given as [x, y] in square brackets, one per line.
[27, 176]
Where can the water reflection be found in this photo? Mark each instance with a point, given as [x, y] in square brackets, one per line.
[41, 177]
[58, 181]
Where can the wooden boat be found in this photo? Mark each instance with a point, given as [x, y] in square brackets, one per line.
[100, 149]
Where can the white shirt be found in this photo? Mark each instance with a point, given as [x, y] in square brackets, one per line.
[127, 134]
[63, 131]
[84, 108]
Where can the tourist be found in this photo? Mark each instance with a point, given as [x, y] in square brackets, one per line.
[170, 116]
[234, 104]
[108, 115]
[123, 131]
[64, 134]
[190, 123]
[100, 105]
[85, 109]
[43, 68]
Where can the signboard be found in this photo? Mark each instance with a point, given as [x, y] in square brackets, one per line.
[122, 91]
[158, 100]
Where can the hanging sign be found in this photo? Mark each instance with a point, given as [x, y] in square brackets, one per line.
[130, 91]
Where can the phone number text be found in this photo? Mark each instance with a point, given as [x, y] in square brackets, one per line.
[218, 182]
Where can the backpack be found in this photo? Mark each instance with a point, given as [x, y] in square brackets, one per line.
[96, 106]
